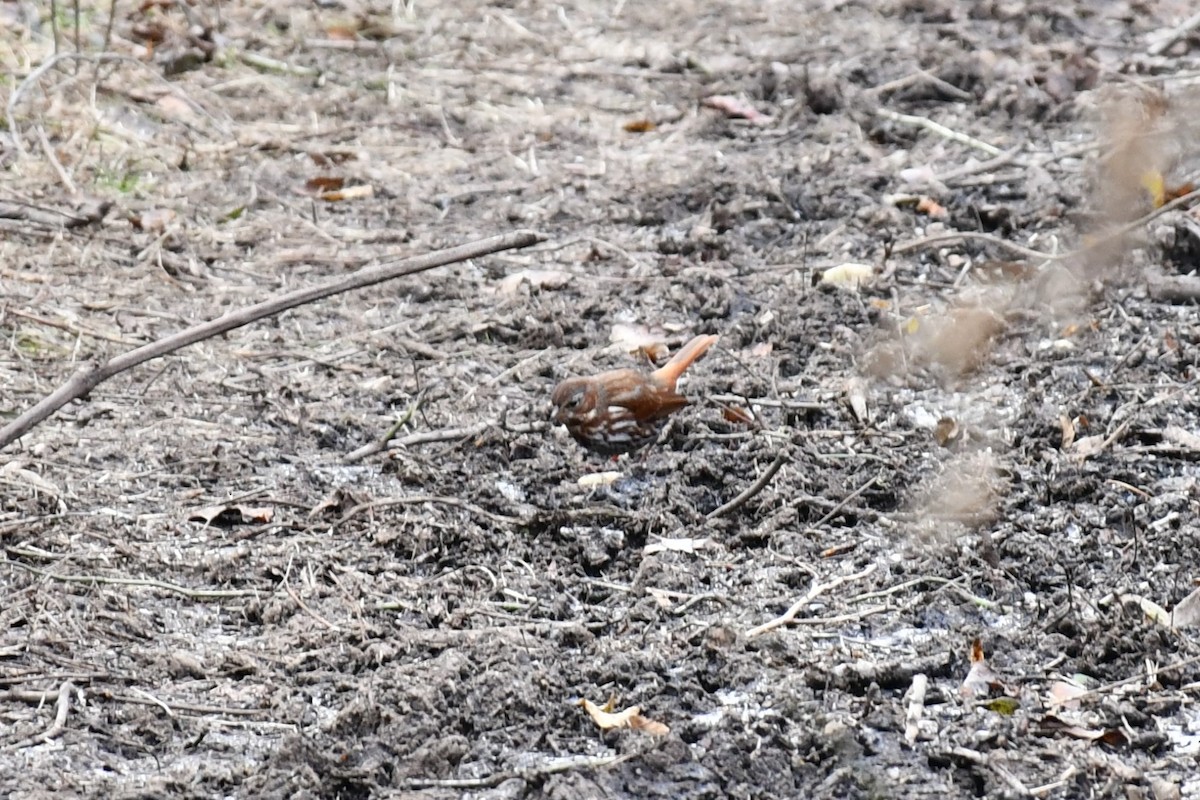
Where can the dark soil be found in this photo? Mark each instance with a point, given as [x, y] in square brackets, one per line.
[994, 439]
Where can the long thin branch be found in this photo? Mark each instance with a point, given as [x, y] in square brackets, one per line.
[89, 376]
[845, 501]
[196, 594]
[940, 130]
[786, 617]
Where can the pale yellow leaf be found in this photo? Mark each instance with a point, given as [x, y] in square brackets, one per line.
[848, 276]
[349, 193]
[629, 718]
[1154, 611]
[683, 545]
[594, 479]
[606, 719]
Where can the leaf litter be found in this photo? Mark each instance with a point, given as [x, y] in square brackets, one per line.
[392, 617]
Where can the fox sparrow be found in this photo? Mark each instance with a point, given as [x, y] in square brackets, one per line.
[621, 410]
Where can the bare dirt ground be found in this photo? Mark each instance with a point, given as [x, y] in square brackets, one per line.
[995, 439]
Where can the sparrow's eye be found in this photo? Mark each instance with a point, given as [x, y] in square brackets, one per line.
[574, 402]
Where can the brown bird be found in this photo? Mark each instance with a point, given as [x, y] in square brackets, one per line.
[621, 410]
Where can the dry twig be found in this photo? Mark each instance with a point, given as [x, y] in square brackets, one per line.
[976, 757]
[844, 502]
[1102, 240]
[813, 593]
[173, 708]
[940, 130]
[425, 498]
[195, 594]
[916, 707]
[62, 708]
[1180, 31]
[451, 434]
[781, 458]
[381, 443]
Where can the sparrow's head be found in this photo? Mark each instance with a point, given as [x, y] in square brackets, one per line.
[572, 400]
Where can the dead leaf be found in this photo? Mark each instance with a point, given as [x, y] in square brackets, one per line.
[652, 727]
[342, 32]
[629, 718]
[1181, 437]
[15, 472]
[1068, 431]
[1088, 446]
[1186, 613]
[848, 276]
[594, 479]
[1112, 737]
[761, 349]
[1152, 610]
[639, 126]
[947, 431]
[339, 501]
[856, 398]
[640, 340]
[359, 192]
[153, 221]
[931, 208]
[323, 183]
[174, 107]
[923, 175]
[332, 157]
[662, 598]
[536, 278]
[1178, 191]
[1066, 694]
[980, 679]
[738, 109]
[683, 545]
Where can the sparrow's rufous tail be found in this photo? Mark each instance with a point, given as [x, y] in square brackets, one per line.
[669, 373]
